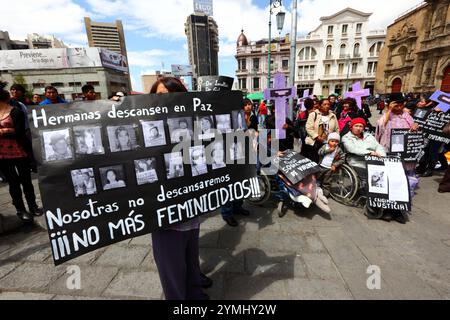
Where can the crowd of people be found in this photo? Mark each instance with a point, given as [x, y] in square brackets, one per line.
[330, 131]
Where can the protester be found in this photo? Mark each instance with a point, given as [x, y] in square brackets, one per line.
[88, 93]
[19, 100]
[176, 249]
[37, 99]
[263, 112]
[15, 152]
[320, 124]
[51, 96]
[332, 158]
[300, 124]
[118, 96]
[397, 118]
[349, 112]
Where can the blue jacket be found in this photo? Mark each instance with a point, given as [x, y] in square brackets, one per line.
[48, 101]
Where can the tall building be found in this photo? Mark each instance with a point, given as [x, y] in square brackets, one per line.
[253, 62]
[106, 35]
[33, 41]
[203, 43]
[416, 57]
[340, 52]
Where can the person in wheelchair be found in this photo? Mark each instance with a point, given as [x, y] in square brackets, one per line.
[357, 145]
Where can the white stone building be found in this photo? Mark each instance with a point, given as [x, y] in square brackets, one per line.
[341, 51]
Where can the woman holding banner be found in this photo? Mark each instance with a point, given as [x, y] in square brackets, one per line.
[176, 249]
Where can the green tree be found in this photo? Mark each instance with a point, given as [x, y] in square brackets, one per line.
[19, 79]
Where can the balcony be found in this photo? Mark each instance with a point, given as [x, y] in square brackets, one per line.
[306, 77]
[357, 55]
[329, 57]
[241, 72]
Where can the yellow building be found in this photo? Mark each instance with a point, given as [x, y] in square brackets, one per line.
[416, 57]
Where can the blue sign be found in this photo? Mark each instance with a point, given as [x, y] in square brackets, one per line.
[443, 99]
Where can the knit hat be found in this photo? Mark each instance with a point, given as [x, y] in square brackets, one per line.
[334, 136]
[356, 121]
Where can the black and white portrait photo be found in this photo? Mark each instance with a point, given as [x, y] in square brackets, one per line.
[181, 129]
[84, 182]
[420, 113]
[223, 123]
[239, 120]
[88, 140]
[236, 151]
[377, 179]
[57, 145]
[398, 143]
[113, 177]
[217, 155]
[122, 138]
[174, 165]
[198, 160]
[154, 134]
[145, 171]
[205, 127]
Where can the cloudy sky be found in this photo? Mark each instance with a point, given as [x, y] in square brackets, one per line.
[154, 29]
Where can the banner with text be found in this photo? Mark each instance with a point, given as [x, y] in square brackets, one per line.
[433, 123]
[408, 145]
[111, 172]
[295, 166]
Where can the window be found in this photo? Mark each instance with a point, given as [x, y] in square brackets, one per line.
[256, 64]
[341, 69]
[285, 64]
[327, 69]
[57, 84]
[359, 28]
[375, 49]
[38, 85]
[307, 72]
[255, 83]
[356, 50]
[243, 64]
[372, 67]
[93, 83]
[330, 30]
[74, 84]
[329, 51]
[243, 84]
[308, 53]
[354, 67]
[300, 71]
[344, 29]
[343, 51]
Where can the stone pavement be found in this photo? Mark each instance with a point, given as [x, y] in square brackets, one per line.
[305, 255]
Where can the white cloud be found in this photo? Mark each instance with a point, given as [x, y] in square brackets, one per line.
[153, 58]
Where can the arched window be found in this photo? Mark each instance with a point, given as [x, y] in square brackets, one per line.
[402, 52]
[329, 51]
[375, 49]
[343, 50]
[308, 53]
[356, 50]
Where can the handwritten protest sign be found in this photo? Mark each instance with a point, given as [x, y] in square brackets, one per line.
[433, 123]
[408, 145]
[295, 166]
[388, 185]
[112, 172]
[215, 83]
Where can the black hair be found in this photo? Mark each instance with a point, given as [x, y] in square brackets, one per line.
[18, 87]
[4, 94]
[50, 88]
[323, 100]
[247, 101]
[171, 84]
[309, 104]
[86, 88]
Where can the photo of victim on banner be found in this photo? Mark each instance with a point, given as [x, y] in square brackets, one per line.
[295, 166]
[388, 184]
[406, 144]
[111, 172]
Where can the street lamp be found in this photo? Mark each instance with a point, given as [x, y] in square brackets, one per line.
[280, 24]
[347, 60]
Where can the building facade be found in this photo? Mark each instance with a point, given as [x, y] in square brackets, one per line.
[33, 41]
[108, 36]
[416, 57]
[203, 44]
[340, 52]
[253, 62]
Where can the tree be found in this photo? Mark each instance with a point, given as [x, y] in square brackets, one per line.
[19, 79]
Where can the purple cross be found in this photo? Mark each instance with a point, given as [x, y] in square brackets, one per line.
[357, 93]
[443, 99]
[280, 94]
[306, 95]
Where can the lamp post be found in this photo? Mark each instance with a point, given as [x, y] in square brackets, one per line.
[347, 60]
[280, 23]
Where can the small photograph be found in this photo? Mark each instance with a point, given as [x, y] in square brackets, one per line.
[174, 165]
[239, 120]
[398, 143]
[217, 156]
[237, 151]
[113, 177]
[377, 180]
[420, 113]
[88, 141]
[122, 138]
[205, 127]
[57, 145]
[145, 171]
[84, 182]
[154, 134]
[198, 160]
[223, 123]
[181, 129]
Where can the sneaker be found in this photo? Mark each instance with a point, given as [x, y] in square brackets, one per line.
[36, 211]
[231, 221]
[322, 206]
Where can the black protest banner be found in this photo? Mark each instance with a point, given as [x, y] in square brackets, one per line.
[406, 144]
[433, 125]
[388, 186]
[295, 166]
[214, 83]
[111, 172]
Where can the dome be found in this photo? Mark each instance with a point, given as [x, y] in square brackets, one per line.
[242, 40]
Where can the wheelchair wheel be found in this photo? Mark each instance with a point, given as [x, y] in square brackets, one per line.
[372, 213]
[265, 187]
[344, 184]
